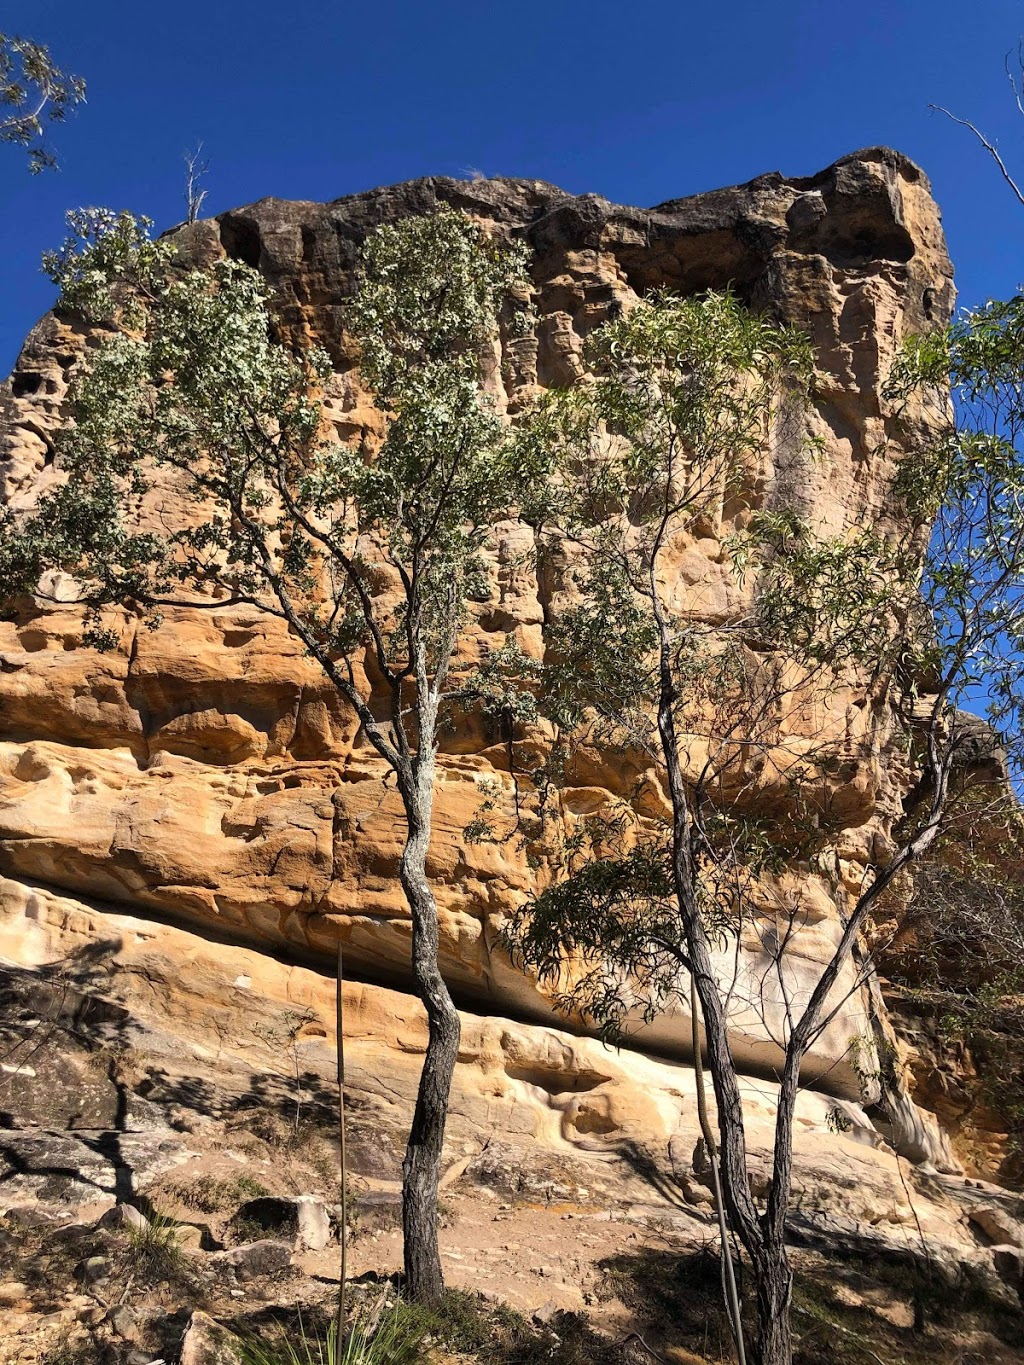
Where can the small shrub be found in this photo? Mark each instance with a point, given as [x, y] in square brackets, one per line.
[154, 1250]
[70, 1350]
[464, 1323]
[393, 1337]
[245, 1230]
[207, 1194]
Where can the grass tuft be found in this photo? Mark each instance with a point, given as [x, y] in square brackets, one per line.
[207, 1194]
[154, 1250]
[392, 1337]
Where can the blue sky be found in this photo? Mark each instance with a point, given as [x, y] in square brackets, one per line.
[640, 103]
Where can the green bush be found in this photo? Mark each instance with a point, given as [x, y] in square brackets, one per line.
[207, 1194]
[154, 1251]
[394, 1337]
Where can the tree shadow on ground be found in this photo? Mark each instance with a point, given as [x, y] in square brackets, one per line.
[844, 1310]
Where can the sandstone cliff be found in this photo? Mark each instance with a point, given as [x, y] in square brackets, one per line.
[207, 775]
[187, 823]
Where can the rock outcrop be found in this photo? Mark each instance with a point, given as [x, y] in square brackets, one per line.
[148, 1067]
[206, 774]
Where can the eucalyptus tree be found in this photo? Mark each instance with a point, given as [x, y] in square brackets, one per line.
[33, 92]
[663, 448]
[369, 553]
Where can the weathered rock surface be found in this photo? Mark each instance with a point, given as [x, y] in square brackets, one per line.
[567, 1165]
[536, 1112]
[207, 774]
[207, 1342]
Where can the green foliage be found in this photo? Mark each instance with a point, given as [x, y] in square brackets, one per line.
[385, 1336]
[498, 1335]
[826, 601]
[968, 485]
[609, 934]
[209, 1194]
[108, 266]
[153, 1250]
[33, 91]
[662, 449]
[462, 1322]
[371, 555]
[276, 512]
[959, 957]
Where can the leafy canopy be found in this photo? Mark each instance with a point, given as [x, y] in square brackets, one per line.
[968, 486]
[664, 448]
[33, 91]
[193, 381]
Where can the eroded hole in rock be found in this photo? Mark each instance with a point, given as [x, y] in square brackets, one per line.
[23, 384]
[557, 1082]
[240, 238]
[32, 641]
[593, 1121]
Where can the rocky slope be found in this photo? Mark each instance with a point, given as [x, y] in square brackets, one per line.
[149, 1067]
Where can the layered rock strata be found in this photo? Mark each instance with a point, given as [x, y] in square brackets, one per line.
[207, 774]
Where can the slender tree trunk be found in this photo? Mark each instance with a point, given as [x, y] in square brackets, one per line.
[729, 1293]
[340, 1332]
[774, 1297]
[421, 1169]
[764, 1243]
[739, 1200]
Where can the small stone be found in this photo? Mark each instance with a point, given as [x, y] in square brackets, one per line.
[125, 1216]
[12, 1291]
[94, 1270]
[123, 1319]
[258, 1258]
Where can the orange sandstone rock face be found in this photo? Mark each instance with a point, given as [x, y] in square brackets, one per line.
[207, 773]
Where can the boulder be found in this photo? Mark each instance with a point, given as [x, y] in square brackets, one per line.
[206, 1342]
[302, 1220]
[125, 1216]
[998, 1225]
[254, 1259]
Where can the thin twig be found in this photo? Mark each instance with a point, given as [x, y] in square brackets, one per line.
[989, 147]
